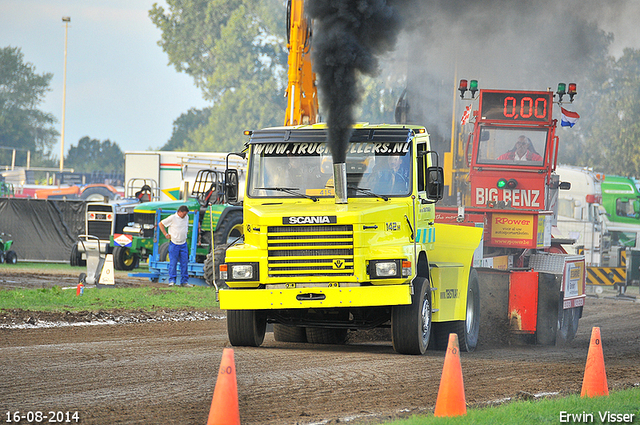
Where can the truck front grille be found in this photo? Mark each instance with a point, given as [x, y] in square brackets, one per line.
[310, 251]
[99, 229]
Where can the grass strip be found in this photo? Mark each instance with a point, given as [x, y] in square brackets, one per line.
[572, 410]
[93, 299]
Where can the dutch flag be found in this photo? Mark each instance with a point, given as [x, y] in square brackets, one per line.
[569, 118]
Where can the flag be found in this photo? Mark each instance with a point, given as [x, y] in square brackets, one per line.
[465, 115]
[568, 118]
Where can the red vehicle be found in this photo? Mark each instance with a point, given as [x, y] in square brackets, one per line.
[502, 179]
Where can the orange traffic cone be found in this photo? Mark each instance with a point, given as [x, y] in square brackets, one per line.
[595, 377]
[224, 406]
[451, 400]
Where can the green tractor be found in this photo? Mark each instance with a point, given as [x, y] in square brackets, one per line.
[220, 224]
[7, 255]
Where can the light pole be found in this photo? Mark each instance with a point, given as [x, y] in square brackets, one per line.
[66, 20]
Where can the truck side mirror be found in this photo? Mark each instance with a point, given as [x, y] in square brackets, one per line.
[435, 183]
[231, 185]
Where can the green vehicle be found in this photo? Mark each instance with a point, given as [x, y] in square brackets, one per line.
[621, 199]
[220, 224]
[7, 255]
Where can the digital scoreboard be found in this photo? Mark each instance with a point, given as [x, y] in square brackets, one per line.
[514, 106]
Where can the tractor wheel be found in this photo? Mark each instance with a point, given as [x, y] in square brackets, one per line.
[11, 257]
[284, 333]
[411, 324]
[467, 329]
[97, 193]
[209, 272]
[75, 259]
[163, 252]
[229, 229]
[326, 336]
[246, 327]
[123, 259]
[2, 254]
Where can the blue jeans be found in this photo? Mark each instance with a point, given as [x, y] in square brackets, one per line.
[178, 253]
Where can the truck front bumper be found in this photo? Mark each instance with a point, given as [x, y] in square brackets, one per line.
[329, 297]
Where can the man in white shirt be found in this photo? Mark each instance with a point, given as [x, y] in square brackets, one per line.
[178, 225]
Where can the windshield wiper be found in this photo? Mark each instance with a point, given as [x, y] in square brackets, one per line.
[367, 192]
[289, 190]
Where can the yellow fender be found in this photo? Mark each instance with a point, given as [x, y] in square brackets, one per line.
[450, 263]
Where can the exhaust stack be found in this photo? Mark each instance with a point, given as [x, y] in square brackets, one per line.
[340, 182]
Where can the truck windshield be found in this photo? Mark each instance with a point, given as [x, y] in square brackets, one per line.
[512, 146]
[372, 170]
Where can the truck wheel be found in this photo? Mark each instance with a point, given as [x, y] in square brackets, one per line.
[567, 325]
[11, 257]
[229, 229]
[246, 327]
[284, 333]
[467, 329]
[123, 259]
[411, 324]
[163, 252]
[326, 336]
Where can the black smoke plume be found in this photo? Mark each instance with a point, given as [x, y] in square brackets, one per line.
[348, 37]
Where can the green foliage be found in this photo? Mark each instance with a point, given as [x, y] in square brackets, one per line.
[94, 155]
[22, 125]
[184, 126]
[236, 53]
[614, 138]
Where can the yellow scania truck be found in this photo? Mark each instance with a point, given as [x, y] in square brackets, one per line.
[348, 246]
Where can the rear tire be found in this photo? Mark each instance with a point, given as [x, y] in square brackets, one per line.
[568, 325]
[246, 327]
[467, 329]
[163, 252]
[123, 259]
[208, 269]
[284, 333]
[411, 324]
[75, 259]
[11, 257]
[326, 336]
[229, 229]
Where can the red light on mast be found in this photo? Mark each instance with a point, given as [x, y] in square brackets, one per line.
[463, 88]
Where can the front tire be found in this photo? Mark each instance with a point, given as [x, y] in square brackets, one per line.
[411, 324]
[123, 259]
[246, 327]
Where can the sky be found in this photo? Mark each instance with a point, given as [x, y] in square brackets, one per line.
[121, 88]
[118, 86]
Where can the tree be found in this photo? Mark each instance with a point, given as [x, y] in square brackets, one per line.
[183, 128]
[22, 125]
[94, 155]
[236, 53]
[614, 137]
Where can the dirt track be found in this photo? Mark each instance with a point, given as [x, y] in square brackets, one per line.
[165, 371]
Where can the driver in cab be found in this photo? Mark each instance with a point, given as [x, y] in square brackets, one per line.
[522, 151]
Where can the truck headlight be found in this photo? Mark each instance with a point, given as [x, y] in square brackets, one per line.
[384, 269]
[242, 271]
